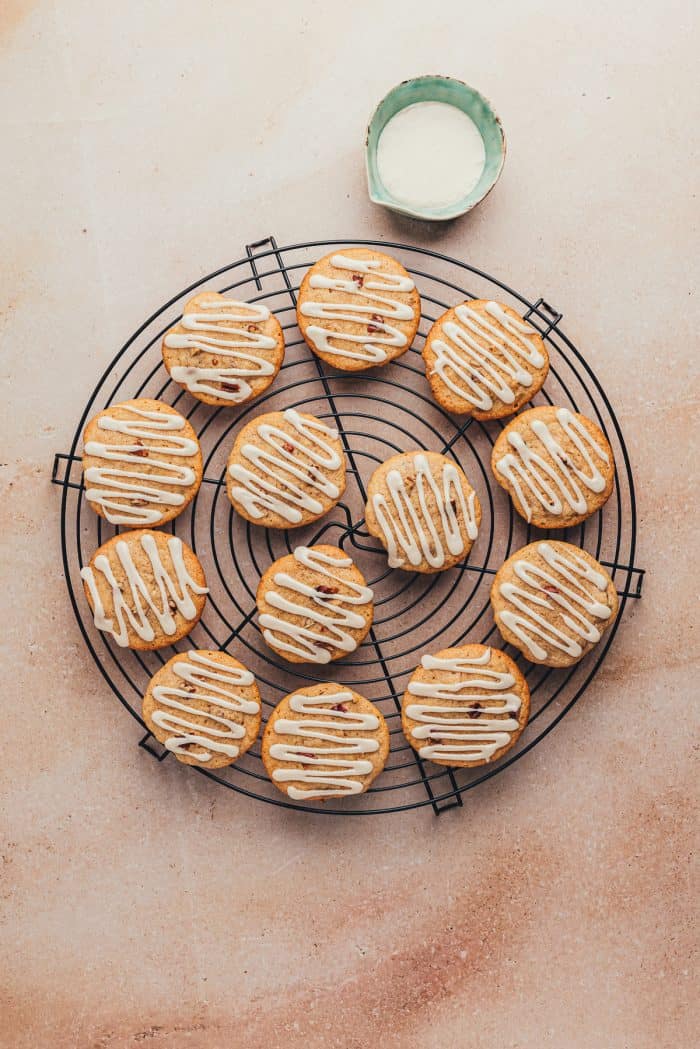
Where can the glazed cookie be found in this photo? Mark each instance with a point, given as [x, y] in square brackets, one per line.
[145, 588]
[465, 706]
[324, 741]
[556, 465]
[142, 463]
[204, 707]
[482, 359]
[224, 351]
[423, 510]
[553, 601]
[285, 469]
[314, 605]
[358, 308]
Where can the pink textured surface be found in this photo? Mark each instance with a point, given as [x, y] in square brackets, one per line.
[141, 905]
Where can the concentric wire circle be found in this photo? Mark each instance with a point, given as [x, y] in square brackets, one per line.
[379, 413]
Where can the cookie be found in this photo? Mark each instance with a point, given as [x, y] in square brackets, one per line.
[324, 741]
[465, 706]
[204, 707]
[314, 605]
[224, 351]
[142, 464]
[482, 359]
[553, 601]
[286, 469]
[145, 588]
[423, 510]
[556, 465]
[358, 308]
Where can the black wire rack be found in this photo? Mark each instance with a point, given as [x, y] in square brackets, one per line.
[378, 414]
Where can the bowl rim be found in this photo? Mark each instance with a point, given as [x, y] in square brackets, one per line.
[414, 211]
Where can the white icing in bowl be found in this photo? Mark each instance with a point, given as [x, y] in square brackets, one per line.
[430, 154]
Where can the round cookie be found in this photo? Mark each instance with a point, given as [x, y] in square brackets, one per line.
[358, 308]
[423, 510]
[556, 465]
[314, 605]
[324, 741]
[142, 464]
[145, 588]
[482, 359]
[286, 469]
[224, 351]
[465, 706]
[553, 601]
[204, 707]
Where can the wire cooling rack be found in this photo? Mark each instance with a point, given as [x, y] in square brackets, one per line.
[377, 413]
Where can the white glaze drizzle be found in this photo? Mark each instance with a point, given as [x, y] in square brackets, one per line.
[277, 490]
[545, 590]
[135, 485]
[169, 589]
[372, 307]
[473, 371]
[228, 340]
[553, 487]
[475, 738]
[416, 532]
[329, 774]
[330, 618]
[215, 684]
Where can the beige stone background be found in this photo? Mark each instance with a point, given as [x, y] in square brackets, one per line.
[143, 144]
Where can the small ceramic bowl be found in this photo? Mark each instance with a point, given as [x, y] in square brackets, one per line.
[456, 93]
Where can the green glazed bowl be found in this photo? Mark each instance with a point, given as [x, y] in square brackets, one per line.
[456, 93]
